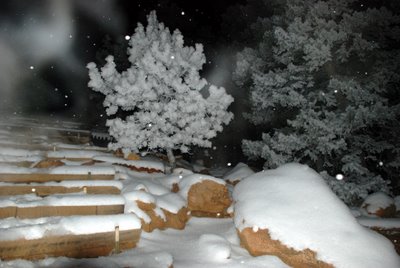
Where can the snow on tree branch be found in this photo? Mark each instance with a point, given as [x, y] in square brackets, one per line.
[161, 92]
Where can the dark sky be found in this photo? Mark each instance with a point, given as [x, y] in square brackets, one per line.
[46, 44]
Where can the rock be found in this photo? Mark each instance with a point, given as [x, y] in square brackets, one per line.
[260, 243]
[170, 220]
[47, 163]
[208, 199]
[132, 156]
[157, 222]
[176, 220]
[119, 153]
[142, 169]
[175, 188]
[379, 204]
[238, 173]
[292, 213]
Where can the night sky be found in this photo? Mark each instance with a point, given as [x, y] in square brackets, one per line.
[46, 44]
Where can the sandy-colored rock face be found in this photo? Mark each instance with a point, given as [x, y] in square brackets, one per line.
[132, 156]
[260, 243]
[172, 220]
[379, 204]
[208, 199]
[156, 221]
[388, 212]
[49, 163]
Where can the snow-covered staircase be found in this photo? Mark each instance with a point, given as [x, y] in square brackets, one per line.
[74, 210]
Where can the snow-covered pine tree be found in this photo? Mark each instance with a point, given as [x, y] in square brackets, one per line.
[162, 94]
[324, 84]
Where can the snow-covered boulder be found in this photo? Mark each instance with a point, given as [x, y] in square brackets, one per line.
[157, 212]
[239, 172]
[290, 212]
[205, 195]
[379, 204]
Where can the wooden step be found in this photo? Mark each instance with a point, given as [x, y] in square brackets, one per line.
[52, 244]
[64, 187]
[30, 207]
[45, 177]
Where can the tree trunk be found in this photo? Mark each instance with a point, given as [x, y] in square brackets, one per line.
[171, 159]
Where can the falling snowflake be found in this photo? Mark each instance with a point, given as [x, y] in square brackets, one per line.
[339, 177]
[127, 37]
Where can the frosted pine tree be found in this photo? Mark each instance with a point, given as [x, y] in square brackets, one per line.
[162, 93]
[323, 84]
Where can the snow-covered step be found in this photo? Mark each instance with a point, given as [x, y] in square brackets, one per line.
[63, 187]
[77, 155]
[32, 206]
[76, 236]
[26, 175]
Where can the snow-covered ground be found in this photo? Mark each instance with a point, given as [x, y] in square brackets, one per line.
[268, 199]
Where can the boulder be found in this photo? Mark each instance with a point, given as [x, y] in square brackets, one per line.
[238, 173]
[291, 212]
[156, 221]
[167, 220]
[379, 204]
[259, 242]
[132, 156]
[48, 163]
[208, 199]
[176, 220]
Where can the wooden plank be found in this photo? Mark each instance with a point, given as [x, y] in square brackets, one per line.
[76, 159]
[49, 190]
[73, 246]
[49, 211]
[26, 164]
[44, 177]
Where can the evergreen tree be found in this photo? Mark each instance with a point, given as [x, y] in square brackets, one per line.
[162, 94]
[323, 82]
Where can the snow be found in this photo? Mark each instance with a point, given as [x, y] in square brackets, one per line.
[13, 158]
[377, 201]
[136, 163]
[268, 199]
[297, 207]
[77, 170]
[71, 183]
[19, 152]
[381, 223]
[397, 202]
[169, 180]
[171, 202]
[191, 247]
[71, 170]
[74, 154]
[13, 229]
[161, 93]
[31, 200]
[187, 181]
[205, 242]
[146, 185]
[59, 145]
[239, 172]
